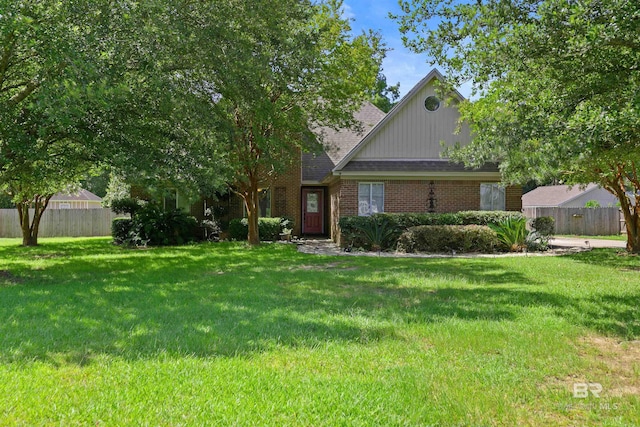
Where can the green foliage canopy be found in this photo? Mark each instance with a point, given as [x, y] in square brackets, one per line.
[84, 84]
[271, 71]
[558, 87]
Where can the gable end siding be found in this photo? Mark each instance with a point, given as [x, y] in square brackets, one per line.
[419, 130]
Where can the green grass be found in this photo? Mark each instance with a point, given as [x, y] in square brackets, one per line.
[621, 237]
[222, 334]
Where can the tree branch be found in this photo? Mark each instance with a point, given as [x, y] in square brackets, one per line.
[13, 86]
[28, 90]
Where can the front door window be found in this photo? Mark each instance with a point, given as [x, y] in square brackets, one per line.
[312, 203]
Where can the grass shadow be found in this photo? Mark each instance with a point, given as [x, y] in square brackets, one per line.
[75, 301]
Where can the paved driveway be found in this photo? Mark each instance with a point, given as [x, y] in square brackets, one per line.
[571, 242]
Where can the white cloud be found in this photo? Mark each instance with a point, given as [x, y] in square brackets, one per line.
[347, 12]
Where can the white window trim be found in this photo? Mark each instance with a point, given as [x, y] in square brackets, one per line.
[370, 184]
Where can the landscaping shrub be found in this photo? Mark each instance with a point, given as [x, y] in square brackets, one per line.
[487, 217]
[120, 229]
[127, 205]
[160, 227]
[544, 225]
[154, 226]
[405, 220]
[268, 228]
[238, 229]
[353, 228]
[448, 238]
[378, 233]
[543, 228]
[512, 233]
[536, 242]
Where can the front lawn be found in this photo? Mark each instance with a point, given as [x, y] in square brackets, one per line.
[222, 334]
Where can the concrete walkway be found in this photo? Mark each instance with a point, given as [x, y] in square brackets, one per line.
[586, 243]
[560, 246]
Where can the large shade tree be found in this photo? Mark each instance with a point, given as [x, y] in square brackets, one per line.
[557, 86]
[44, 79]
[86, 84]
[270, 72]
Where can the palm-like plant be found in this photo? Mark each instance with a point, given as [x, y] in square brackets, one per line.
[377, 233]
[512, 233]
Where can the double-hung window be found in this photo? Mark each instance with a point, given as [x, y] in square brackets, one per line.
[370, 198]
[492, 197]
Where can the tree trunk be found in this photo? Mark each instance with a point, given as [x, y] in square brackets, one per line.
[632, 223]
[251, 197]
[633, 238]
[630, 210]
[30, 227]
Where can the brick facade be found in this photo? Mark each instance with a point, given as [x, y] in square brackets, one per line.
[400, 196]
[286, 195]
[513, 198]
[403, 196]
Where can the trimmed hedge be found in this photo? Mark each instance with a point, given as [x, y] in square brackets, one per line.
[448, 238]
[353, 228]
[488, 217]
[268, 228]
[238, 229]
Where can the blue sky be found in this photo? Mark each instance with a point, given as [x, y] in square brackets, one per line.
[400, 65]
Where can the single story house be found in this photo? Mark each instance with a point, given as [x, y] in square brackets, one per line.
[394, 164]
[563, 196]
[83, 199]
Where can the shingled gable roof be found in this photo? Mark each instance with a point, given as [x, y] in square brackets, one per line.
[81, 195]
[554, 195]
[433, 74]
[339, 143]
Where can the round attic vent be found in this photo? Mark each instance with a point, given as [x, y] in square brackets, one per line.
[431, 103]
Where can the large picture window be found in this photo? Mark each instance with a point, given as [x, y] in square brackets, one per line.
[492, 197]
[370, 198]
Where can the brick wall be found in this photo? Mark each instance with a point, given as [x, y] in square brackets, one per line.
[513, 198]
[413, 196]
[285, 195]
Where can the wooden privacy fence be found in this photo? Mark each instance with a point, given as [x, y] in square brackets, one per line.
[61, 222]
[581, 221]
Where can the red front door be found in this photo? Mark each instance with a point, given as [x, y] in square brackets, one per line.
[312, 211]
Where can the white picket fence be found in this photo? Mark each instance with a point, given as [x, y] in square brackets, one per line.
[581, 221]
[61, 223]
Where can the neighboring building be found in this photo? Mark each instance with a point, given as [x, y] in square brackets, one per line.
[563, 196]
[393, 165]
[83, 199]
